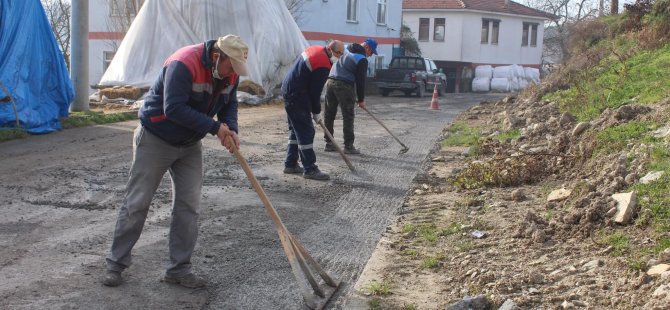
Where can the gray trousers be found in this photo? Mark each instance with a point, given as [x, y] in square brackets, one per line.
[342, 94]
[152, 157]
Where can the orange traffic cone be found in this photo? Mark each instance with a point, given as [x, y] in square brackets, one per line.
[435, 104]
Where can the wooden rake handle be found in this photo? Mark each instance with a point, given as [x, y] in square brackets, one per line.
[297, 255]
[337, 147]
[389, 131]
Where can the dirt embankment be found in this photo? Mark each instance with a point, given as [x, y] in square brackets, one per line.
[527, 221]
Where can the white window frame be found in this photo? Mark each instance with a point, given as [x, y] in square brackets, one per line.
[379, 62]
[381, 12]
[107, 57]
[492, 33]
[529, 34]
[352, 11]
[437, 31]
[426, 38]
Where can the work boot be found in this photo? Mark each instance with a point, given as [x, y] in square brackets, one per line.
[330, 147]
[351, 150]
[293, 170]
[316, 174]
[190, 280]
[112, 278]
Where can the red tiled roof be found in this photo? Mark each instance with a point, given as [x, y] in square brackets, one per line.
[496, 6]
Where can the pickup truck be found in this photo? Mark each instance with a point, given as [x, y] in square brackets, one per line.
[410, 75]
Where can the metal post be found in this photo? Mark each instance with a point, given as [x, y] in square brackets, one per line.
[79, 55]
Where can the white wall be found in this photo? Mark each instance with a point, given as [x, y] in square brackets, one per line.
[463, 38]
[330, 19]
[98, 19]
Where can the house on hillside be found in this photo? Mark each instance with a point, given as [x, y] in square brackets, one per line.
[352, 21]
[462, 34]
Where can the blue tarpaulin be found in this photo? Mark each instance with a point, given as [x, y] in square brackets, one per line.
[32, 69]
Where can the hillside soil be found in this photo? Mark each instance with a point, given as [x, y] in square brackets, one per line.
[449, 244]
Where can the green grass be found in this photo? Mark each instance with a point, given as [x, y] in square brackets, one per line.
[430, 262]
[409, 307]
[407, 228]
[428, 232]
[411, 252]
[453, 228]
[459, 134]
[509, 135]
[75, 119]
[653, 199]
[81, 119]
[374, 303]
[619, 241]
[379, 288]
[12, 134]
[643, 78]
[615, 139]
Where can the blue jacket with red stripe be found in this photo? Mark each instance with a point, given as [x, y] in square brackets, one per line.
[182, 102]
[304, 82]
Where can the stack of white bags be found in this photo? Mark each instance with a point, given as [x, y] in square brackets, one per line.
[504, 79]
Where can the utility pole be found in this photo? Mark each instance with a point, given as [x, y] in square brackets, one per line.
[79, 55]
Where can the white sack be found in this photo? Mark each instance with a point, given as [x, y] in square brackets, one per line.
[503, 72]
[523, 84]
[485, 71]
[518, 72]
[163, 26]
[500, 85]
[481, 84]
[514, 84]
[532, 74]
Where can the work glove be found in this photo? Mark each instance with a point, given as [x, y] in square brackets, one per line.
[316, 117]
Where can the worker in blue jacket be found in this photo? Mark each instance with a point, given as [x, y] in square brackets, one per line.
[301, 89]
[197, 83]
[346, 81]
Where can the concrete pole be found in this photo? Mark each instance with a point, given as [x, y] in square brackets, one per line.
[79, 55]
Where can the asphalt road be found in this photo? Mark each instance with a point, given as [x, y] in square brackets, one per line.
[59, 194]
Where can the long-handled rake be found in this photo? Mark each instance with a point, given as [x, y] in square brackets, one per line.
[297, 255]
[337, 147]
[404, 147]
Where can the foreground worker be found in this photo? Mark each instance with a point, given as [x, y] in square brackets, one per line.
[349, 72]
[301, 90]
[196, 83]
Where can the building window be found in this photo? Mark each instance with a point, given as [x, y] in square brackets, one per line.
[424, 26]
[533, 35]
[381, 12]
[352, 10]
[529, 33]
[438, 30]
[379, 62]
[485, 31]
[490, 28]
[106, 59]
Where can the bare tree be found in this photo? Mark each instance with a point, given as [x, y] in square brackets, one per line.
[58, 13]
[567, 13]
[295, 7]
[121, 16]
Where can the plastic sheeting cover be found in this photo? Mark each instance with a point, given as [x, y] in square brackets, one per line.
[163, 26]
[32, 68]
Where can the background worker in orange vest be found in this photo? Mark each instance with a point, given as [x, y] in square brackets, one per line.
[301, 90]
